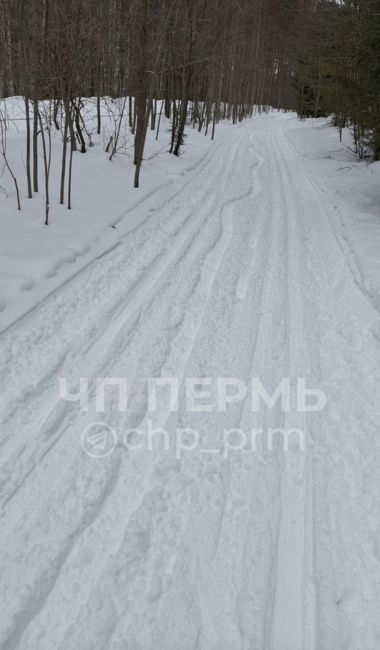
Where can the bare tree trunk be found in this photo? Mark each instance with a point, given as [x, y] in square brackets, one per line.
[78, 127]
[174, 126]
[130, 112]
[98, 116]
[64, 155]
[55, 114]
[35, 145]
[153, 107]
[117, 134]
[141, 128]
[184, 104]
[70, 177]
[159, 119]
[181, 125]
[28, 175]
[47, 158]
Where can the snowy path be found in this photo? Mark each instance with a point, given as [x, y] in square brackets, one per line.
[239, 275]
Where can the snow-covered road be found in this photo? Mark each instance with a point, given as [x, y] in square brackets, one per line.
[239, 275]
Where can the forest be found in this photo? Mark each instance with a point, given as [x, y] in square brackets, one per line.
[194, 61]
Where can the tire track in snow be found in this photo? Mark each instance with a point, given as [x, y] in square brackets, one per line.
[214, 529]
[293, 614]
[342, 321]
[107, 492]
[60, 567]
[148, 495]
[35, 386]
[112, 321]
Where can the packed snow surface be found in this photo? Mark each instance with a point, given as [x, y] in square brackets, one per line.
[255, 257]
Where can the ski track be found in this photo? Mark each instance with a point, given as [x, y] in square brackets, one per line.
[240, 274]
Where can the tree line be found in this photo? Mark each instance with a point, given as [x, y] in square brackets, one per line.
[194, 61]
[198, 60]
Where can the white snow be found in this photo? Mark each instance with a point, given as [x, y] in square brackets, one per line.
[253, 256]
[34, 259]
[354, 195]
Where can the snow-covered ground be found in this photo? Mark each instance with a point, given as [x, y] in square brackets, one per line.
[251, 257]
[353, 190]
[34, 260]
